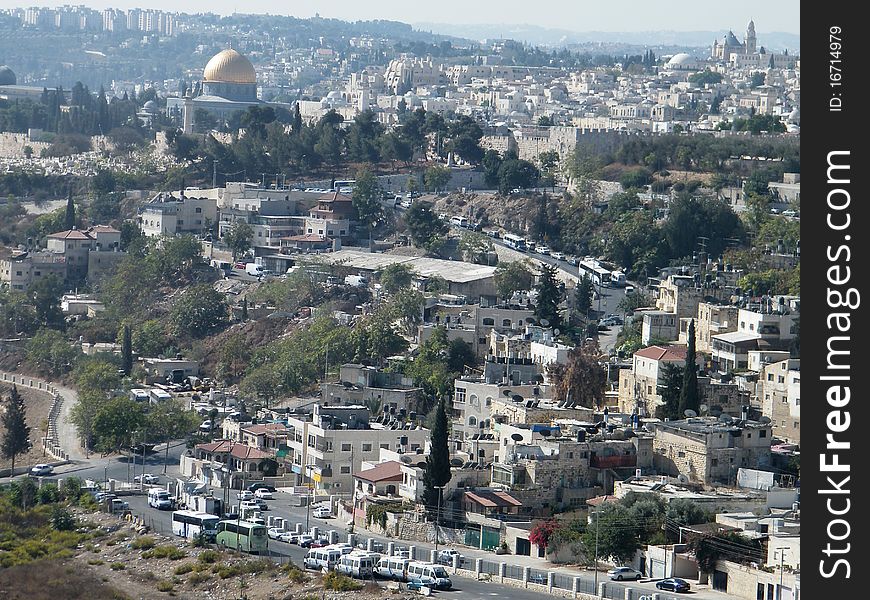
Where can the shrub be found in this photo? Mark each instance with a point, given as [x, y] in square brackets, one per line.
[117, 566]
[294, 573]
[184, 569]
[96, 562]
[164, 586]
[170, 552]
[62, 519]
[145, 542]
[208, 556]
[340, 583]
[197, 578]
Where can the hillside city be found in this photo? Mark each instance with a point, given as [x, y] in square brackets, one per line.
[395, 311]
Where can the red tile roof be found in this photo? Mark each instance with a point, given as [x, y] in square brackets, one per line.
[265, 427]
[669, 353]
[390, 470]
[235, 449]
[71, 234]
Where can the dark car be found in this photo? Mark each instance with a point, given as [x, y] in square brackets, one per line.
[256, 486]
[319, 543]
[674, 584]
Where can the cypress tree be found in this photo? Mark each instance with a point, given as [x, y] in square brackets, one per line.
[297, 121]
[70, 218]
[16, 433]
[549, 296]
[245, 308]
[689, 392]
[437, 472]
[126, 351]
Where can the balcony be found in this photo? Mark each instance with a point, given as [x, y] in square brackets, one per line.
[613, 462]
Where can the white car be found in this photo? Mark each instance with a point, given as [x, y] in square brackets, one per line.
[624, 574]
[542, 250]
[246, 495]
[289, 537]
[41, 470]
[146, 478]
[263, 494]
[323, 512]
[558, 255]
[274, 533]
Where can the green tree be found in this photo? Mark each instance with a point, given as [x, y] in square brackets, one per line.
[426, 229]
[517, 173]
[513, 277]
[614, 533]
[51, 352]
[170, 421]
[16, 433]
[115, 422]
[367, 198]
[545, 121]
[583, 295]
[689, 394]
[45, 295]
[437, 472]
[126, 350]
[362, 137]
[238, 238]
[149, 338]
[200, 310]
[580, 381]
[549, 296]
[436, 178]
[70, 217]
[670, 391]
[396, 277]
[475, 247]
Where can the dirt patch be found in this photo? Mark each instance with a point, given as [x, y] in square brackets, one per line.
[38, 404]
[53, 580]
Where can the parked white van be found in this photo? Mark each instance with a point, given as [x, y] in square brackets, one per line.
[254, 269]
[425, 571]
[159, 499]
[358, 564]
[393, 567]
[318, 558]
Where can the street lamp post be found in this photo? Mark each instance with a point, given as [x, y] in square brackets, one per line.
[781, 550]
[596, 550]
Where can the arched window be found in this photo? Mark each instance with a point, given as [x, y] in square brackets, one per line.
[472, 421]
[489, 322]
[506, 323]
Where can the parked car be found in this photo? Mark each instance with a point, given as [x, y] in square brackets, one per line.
[256, 486]
[146, 478]
[305, 541]
[246, 495]
[445, 557]
[673, 584]
[320, 543]
[290, 538]
[116, 505]
[624, 574]
[542, 250]
[263, 494]
[41, 470]
[418, 583]
[323, 512]
[558, 255]
[274, 533]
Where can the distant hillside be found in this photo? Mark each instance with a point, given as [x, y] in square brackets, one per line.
[543, 36]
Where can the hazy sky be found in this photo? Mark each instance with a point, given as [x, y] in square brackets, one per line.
[573, 15]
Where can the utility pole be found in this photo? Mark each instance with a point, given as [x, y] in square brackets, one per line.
[781, 550]
[308, 504]
[596, 551]
[440, 489]
[214, 174]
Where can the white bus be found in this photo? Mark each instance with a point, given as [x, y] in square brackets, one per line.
[190, 524]
[617, 279]
[514, 241]
[459, 221]
[598, 274]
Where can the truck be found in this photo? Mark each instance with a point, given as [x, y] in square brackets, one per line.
[254, 269]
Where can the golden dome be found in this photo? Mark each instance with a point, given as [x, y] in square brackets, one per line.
[228, 66]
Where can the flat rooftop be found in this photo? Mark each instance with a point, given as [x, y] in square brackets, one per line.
[451, 270]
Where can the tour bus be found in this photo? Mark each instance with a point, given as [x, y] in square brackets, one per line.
[344, 186]
[358, 564]
[514, 241]
[318, 558]
[244, 536]
[427, 571]
[159, 499]
[190, 524]
[617, 279]
[393, 567]
[597, 274]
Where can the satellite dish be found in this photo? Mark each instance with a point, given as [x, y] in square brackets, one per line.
[545, 432]
[764, 420]
[682, 478]
[517, 398]
[545, 322]
[405, 459]
[703, 408]
[690, 413]
[725, 419]
[556, 331]
[456, 462]
[507, 393]
[422, 464]
[517, 437]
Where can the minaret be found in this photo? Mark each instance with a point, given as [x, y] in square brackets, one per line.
[749, 42]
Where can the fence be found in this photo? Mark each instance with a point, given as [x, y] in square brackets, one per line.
[51, 441]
